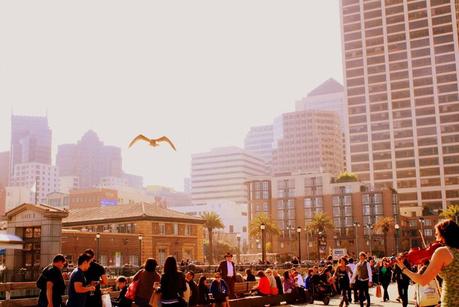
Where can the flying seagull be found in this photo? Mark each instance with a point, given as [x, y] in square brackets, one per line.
[152, 142]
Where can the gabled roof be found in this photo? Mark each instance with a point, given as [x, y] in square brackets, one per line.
[41, 208]
[328, 87]
[125, 212]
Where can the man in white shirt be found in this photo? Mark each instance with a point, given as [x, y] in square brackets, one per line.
[362, 278]
[351, 266]
[228, 271]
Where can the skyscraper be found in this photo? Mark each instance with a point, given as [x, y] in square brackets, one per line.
[329, 96]
[221, 173]
[30, 140]
[90, 160]
[401, 71]
[4, 168]
[259, 140]
[308, 141]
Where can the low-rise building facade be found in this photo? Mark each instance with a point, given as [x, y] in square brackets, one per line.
[292, 200]
[162, 232]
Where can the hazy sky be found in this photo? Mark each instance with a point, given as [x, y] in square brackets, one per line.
[201, 72]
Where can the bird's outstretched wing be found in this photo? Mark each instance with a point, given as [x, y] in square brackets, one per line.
[140, 137]
[166, 139]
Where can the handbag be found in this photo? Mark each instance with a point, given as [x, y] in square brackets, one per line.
[427, 295]
[378, 291]
[132, 290]
[155, 299]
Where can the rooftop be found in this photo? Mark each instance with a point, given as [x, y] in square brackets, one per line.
[328, 87]
[125, 212]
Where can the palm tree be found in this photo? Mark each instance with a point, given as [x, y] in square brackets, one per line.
[452, 212]
[319, 223]
[211, 221]
[271, 227]
[384, 225]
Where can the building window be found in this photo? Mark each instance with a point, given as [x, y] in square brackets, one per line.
[176, 228]
[162, 229]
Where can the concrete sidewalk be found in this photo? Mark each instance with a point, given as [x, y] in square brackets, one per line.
[376, 302]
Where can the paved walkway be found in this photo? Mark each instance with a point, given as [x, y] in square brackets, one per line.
[376, 302]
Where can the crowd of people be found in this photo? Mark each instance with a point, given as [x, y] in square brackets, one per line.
[348, 278]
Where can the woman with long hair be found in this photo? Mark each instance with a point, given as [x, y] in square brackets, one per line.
[288, 283]
[342, 275]
[203, 292]
[146, 277]
[444, 261]
[173, 284]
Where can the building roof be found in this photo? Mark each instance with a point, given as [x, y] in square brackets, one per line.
[125, 212]
[328, 87]
[42, 208]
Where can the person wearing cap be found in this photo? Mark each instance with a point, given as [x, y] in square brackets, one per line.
[227, 270]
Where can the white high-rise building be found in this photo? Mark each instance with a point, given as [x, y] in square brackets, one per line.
[221, 173]
[259, 140]
[401, 77]
[39, 177]
[329, 96]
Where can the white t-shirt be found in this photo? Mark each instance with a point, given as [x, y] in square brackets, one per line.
[229, 266]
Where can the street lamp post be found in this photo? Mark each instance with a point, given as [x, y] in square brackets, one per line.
[140, 249]
[356, 225]
[98, 247]
[397, 234]
[298, 230]
[263, 242]
[238, 237]
[370, 234]
[319, 235]
[307, 244]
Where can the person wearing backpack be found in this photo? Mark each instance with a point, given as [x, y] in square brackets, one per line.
[51, 283]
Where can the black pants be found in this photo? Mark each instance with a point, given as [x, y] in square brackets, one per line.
[349, 294]
[344, 288]
[386, 293]
[363, 292]
[403, 292]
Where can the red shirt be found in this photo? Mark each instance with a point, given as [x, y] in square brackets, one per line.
[263, 286]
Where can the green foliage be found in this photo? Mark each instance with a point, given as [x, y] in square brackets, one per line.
[254, 227]
[452, 212]
[346, 177]
[384, 224]
[220, 248]
[211, 221]
[320, 222]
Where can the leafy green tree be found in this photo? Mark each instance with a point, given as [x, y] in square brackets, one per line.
[211, 221]
[452, 212]
[347, 177]
[320, 222]
[384, 225]
[254, 227]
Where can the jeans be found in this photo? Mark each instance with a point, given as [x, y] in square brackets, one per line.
[363, 292]
[403, 292]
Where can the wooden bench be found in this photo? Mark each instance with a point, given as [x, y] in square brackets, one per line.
[244, 288]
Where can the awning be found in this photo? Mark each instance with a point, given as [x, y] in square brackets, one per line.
[10, 241]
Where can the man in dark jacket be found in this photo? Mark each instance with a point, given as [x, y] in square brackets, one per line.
[193, 301]
[227, 270]
[51, 283]
[403, 282]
